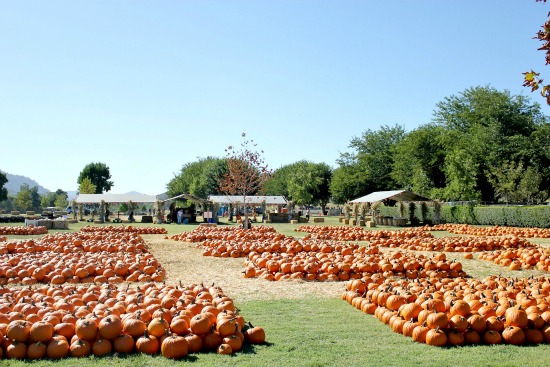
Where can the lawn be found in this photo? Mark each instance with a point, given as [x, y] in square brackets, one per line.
[307, 324]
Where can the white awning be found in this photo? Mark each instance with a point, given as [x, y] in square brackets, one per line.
[397, 195]
[254, 200]
[114, 198]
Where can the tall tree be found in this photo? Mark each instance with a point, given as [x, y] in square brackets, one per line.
[302, 182]
[86, 186]
[99, 174]
[529, 186]
[3, 190]
[490, 127]
[246, 172]
[199, 178]
[369, 166]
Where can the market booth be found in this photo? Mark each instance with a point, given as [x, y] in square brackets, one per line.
[389, 198]
[96, 199]
[274, 206]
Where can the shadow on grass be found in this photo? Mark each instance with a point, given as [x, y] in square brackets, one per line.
[251, 348]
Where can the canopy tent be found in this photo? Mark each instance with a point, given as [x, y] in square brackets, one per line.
[396, 195]
[114, 198]
[164, 197]
[254, 200]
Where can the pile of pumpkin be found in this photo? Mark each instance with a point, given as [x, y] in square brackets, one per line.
[125, 229]
[346, 233]
[454, 312]
[78, 258]
[518, 259]
[202, 233]
[454, 244]
[350, 262]
[3, 238]
[22, 230]
[492, 231]
[57, 322]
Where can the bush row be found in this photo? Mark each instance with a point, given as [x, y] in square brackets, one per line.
[513, 216]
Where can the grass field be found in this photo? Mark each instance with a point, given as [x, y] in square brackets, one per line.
[307, 324]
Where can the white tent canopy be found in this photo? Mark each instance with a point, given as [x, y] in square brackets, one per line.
[114, 198]
[254, 200]
[397, 195]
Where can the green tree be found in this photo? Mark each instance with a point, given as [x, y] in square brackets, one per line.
[492, 127]
[370, 163]
[86, 186]
[99, 174]
[419, 159]
[348, 182]
[460, 170]
[199, 178]
[302, 182]
[3, 190]
[532, 79]
[529, 186]
[23, 199]
[47, 200]
[505, 179]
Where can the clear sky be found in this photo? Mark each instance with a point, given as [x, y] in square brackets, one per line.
[148, 86]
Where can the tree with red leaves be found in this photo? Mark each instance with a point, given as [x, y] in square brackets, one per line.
[247, 172]
[532, 79]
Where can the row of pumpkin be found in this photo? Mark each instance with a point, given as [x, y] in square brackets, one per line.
[56, 322]
[454, 312]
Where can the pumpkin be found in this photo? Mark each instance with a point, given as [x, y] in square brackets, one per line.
[513, 335]
[147, 344]
[110, 327]
[224, 349]
[86, 329]
[157, 327]
[18, 330]
[200, 324]
[41, 331]
[57, 348]
[436, 337]
[123, 343]
[102, 347]
[134, 327]
[194, 343]
[36, 350]
[16, 350]
[80, 348]
[174, 347]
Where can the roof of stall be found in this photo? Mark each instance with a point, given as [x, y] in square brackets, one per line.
[397, 195]
[115, 198]
[238, 199]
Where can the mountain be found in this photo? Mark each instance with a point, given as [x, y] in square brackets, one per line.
[15, 181]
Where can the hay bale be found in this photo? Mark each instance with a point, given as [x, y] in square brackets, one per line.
[370, 224]
[319, 220]
[293, 221]
[29, 212]
[14, 212]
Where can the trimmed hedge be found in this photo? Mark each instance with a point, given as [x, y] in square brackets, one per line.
[513, 216]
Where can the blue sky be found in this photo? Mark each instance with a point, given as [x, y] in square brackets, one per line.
[148, 86]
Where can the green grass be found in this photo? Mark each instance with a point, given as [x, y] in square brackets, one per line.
[326, 332]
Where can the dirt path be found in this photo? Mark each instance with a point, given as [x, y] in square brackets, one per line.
[183, 262]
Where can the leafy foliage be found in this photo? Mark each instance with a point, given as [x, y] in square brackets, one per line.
[302, 182]
[27, 198]
[99, 175]
[199, 178]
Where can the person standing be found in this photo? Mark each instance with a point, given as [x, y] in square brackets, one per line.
[180, 216]
[308, 213]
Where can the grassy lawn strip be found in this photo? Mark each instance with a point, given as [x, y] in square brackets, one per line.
[327, 332]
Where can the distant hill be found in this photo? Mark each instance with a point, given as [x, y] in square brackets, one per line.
[15, 181]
